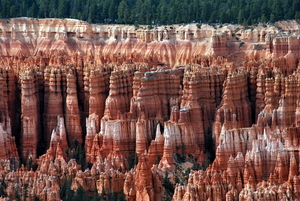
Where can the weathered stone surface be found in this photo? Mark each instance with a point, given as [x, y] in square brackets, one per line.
[156, 148]
[119, 43]
[234, 111]
[247, 173]
[7, 141]
[157, 93]
[72, 113]
[53, 99]
[146, 107]
[120, 92]
[95, 86]
[29, 110]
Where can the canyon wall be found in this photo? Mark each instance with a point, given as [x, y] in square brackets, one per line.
[177, 112]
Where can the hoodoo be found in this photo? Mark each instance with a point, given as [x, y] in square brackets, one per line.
[183, 112]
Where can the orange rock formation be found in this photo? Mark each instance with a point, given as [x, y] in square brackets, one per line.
[130, 112]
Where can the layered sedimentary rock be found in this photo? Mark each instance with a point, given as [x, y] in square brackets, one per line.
[29, 105]
[96, 85]
[287, 103]
[157, 94]
[234, 110]
[130, 112]
[156, 148]
[7, 141]
[218, 44]
[264, 160]
[43, 37]
[120, 92]
[53, 99]
[201, 94]
[9, 92]
[72, 110]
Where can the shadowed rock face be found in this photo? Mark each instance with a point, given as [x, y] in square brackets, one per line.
[123, 110]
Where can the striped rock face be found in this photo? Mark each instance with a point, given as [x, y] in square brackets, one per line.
[182, 112]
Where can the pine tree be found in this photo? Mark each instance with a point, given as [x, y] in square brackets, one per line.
[206, 10]
[105, 8]
[146, 12]
[25, 191]
[288, 12]
[297, 15]
[184, 12]
[3, 187]
[265, 10]
[25, 7]
[92, 11]
[5, 9]
[96, 196]
[33, 10]
[223, 17]
[295, 8]
[53, 5]
[80, 195]
[276, 11]
[255, 10]
[43, 9]
[169, 187]
[214, 14]
[66, 193]
[197, 10]
[75, 9]
[123, 13]
[136, 14]
[263, 19]
[233, 13]
[63, 9]
[79, 16]
[17, 195]
[121, 196]
[112, 14]
[171, 15]
[12, 11]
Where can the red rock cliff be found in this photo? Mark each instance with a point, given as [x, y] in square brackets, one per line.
[181, 113]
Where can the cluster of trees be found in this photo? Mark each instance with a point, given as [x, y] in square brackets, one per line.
[18, 190]
[155, 11]
[169, 188]
[132, 161]
[67, 194]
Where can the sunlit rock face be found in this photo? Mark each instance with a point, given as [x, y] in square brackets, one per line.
[129, 112]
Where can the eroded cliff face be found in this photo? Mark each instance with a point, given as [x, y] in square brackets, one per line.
[174, 112]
